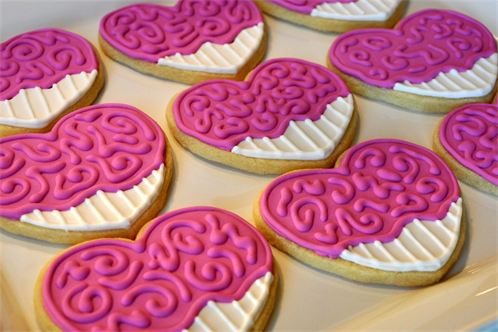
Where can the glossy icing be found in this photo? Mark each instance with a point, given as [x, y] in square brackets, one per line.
[106, 147]
[41, 58]
[360, 10]
[149, 32]
[420, 47]
[161, 281]
[223, 113]
[379, 187]
[470, 135]
[306, 6]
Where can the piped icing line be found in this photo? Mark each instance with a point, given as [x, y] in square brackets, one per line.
[304, 140]
[470, 135]
[360, 10]
[307, 6]
[235, 316]
[220, 58]
[107, 147]
[41, 58]
[379, 187]
[104, 210]
[223, 113]
[420, 47]
[423, 245]
[150, 32]
[161, 281]
[37, 107]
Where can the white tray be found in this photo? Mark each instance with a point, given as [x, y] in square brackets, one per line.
[309, 299]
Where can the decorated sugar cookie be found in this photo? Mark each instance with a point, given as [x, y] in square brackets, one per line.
[432, 61]
[337, 15]
[103, 170]
[467, 139]
[192, 41]
[287, 114]
[45, 74]
[390, 212]
[194, 269]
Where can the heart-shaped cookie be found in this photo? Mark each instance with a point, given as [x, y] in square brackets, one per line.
[192, 268]
[390, 212]
[432, 60]
[337, 15]
[97, 171]
[288, 114]
[189, 42]
[467, 139]
[45, 73]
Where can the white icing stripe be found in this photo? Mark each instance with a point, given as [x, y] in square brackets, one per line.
[216, 58]
[236, 315]
[103, 210]
[36, 107]
[475, 82]
[304, 140]
[421, 246]
[362, 10]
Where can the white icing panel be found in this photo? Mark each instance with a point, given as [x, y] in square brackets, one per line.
[421, 246]
[103, 210]
[36, 107]
[362, 10]
[216, 58]
[476, 82]
[304, 140]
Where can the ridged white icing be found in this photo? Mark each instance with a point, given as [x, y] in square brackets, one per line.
[421, 246]
[362, 10]
[236, 315]
[36, 107]
[304, 140]
[475, 82]
[104, 210]
[216, 58]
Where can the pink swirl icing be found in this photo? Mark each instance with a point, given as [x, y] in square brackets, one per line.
[150, 32]
[420, 47]
[223, 113]
[41, 58]
[380, 186]
[305, 6]
[106, 147]
[162, 280]
[470, 135]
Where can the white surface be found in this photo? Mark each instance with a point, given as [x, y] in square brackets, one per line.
[362, 10]
[309, 299]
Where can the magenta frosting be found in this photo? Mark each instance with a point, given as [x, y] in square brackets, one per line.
[380, 186]
[420, 47]
[149, 32]
[161, 281]
[304, 6]
[222, 113]
[106, 147]
[470, 135]
[42, 58]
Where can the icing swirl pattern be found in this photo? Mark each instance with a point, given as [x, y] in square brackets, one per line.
[470, 135]
[305, 6]
[106, 147]
[162, 280]
[420, 47]
[380, 186]
[41, 58]
[149, 32]
[223, 113]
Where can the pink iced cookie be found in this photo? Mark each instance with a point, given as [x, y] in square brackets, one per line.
[468, 139]
[203, 38]
[189, 268]
[438, 54]
[98, 169]
[288, 111]
[389, 208]
[45, 72]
